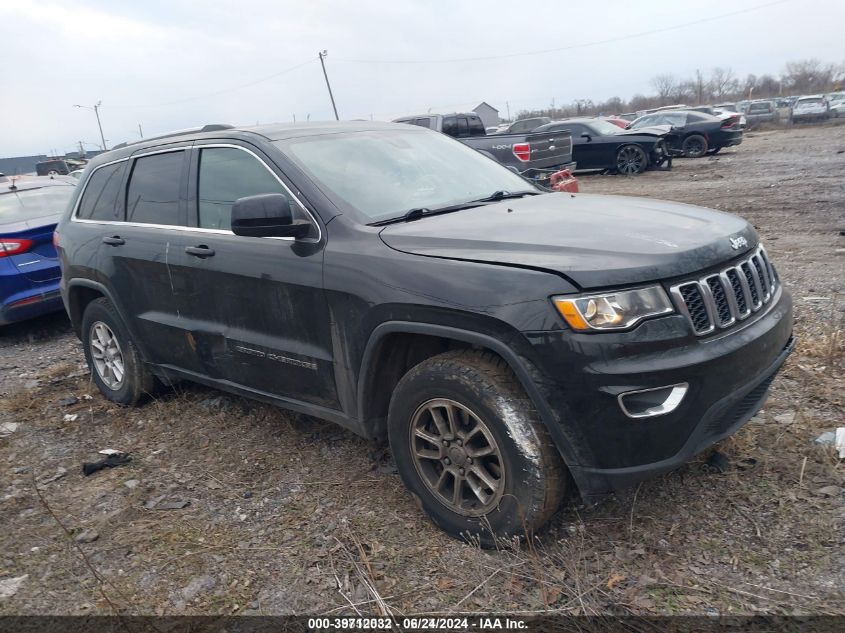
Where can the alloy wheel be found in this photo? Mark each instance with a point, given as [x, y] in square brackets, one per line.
[630, 160]
[107, 355]
[457, 457]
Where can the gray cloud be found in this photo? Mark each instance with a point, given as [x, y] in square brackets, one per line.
[168, 65]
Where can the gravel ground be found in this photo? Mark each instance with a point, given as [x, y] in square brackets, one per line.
[234, 507]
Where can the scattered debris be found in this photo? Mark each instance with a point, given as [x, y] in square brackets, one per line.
[7, 428]
[66, 402]
[840, 441]
[48, 479]
[9, 586]
[87, 536]
[131, 483]
[163, 503]
[829, 491]
[825, 439]
[70, 417]
[785, 418]
[718, 462]
[111, 451]
[89, 468]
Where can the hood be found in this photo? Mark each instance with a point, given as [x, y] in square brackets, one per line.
[595, 241]
[653, 130]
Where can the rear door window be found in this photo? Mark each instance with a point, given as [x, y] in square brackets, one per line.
[476, 127]
[463, 127]
[100, 200]
[152, 196]
[450, 125]
[226, 174]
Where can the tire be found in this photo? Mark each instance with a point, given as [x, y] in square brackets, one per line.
[100, 326]
[630, 160]
[695, 146]
[523, 478]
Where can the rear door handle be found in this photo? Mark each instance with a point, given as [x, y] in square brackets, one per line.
[114, 240]
[199, 251]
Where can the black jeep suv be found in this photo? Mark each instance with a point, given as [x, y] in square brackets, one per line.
[509, 342]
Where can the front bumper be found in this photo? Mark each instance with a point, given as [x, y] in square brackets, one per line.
[728, 376]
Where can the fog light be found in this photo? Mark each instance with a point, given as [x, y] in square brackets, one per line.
[647, 403]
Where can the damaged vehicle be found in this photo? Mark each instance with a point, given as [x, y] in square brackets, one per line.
[694, 134]
[600, 145]
[514, 346]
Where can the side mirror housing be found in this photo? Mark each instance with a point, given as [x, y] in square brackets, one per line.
[587, 136]
[266, 215]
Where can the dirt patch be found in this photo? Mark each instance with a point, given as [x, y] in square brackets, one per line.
[229, 506]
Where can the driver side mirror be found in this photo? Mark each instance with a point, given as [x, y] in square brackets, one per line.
[587, 136]
[266, 215]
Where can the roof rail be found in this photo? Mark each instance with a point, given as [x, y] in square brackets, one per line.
[210, 127]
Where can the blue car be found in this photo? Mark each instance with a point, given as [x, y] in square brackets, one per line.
[29, 266]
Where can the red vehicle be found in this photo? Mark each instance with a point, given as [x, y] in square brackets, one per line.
[616, 121]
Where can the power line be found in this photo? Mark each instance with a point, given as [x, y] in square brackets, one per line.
[571, 46]
[222, 91]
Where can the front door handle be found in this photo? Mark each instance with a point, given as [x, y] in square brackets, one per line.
[199, 251]
[114, 240]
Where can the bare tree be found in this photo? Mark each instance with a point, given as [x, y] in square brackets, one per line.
[722, 82]
[664, 85]
[809, 75]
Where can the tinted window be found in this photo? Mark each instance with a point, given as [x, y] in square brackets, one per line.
[100, 199]
[450, 125]
[476, 127]
[227, 174]
[423, 122]
[153, 193]
[463, 126]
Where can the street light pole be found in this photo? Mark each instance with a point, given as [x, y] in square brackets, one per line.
[96, 109]
[322, 55]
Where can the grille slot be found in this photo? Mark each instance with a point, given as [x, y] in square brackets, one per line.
[720, 300]
[739, 293]
[694, 300]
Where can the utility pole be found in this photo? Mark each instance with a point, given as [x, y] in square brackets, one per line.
[508, 106]
[96, 109]
[140, 131]
[322, 55]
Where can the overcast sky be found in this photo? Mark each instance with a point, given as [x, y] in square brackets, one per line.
[170, 64]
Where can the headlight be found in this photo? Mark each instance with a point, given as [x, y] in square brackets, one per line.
[613, 310]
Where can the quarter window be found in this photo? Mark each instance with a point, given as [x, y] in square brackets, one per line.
[100, 198]
[153, 193]
[226, 174]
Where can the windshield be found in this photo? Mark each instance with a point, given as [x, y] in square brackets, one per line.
[384, 173]
[603, 128]
[28, 204]
[811, 101]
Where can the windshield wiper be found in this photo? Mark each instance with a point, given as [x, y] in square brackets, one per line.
[418, 212]
[504, 195]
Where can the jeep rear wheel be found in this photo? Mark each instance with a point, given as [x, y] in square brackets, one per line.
[471, 448]
[115, 366]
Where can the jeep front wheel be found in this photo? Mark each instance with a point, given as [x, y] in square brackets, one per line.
[471, 448]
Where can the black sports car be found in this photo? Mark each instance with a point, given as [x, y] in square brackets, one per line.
[597, 144]
[693, 134]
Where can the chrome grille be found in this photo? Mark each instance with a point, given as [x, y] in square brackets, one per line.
[722, 299]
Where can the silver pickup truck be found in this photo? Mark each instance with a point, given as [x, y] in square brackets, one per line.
[533, 155]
